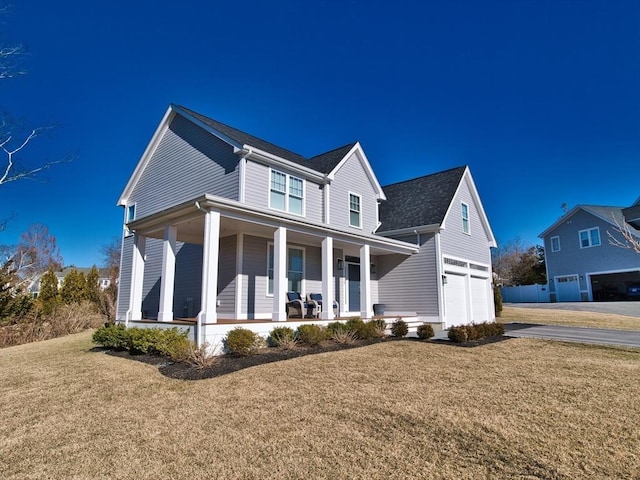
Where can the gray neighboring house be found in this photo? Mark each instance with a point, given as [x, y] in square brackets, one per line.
[582, 265]
[219, 225]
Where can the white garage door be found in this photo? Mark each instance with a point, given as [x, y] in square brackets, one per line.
[568, 289]
[455, 300]
[480, 289]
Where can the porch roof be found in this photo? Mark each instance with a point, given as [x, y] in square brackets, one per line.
[189, 217]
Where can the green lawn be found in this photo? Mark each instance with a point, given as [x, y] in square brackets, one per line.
[515, 409]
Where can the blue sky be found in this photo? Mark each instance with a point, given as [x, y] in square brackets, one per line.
[539, 98]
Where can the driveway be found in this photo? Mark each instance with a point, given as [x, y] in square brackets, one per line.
[631, 309]
[599, 336]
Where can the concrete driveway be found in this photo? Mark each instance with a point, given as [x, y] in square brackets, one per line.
[599, 336]
[631, 309]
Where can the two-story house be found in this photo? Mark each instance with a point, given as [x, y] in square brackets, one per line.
[220, 225]
[582, 264]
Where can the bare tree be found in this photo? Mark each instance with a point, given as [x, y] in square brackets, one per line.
[629, 239]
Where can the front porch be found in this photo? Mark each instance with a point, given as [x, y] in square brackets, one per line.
[216, 264]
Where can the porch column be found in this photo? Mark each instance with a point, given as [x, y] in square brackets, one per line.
[210, 253]
[137, 279]
[327, 279]
[279, 274]
[168, 278]
[366, 309]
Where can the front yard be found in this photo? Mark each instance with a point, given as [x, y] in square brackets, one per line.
[404, 409]
[569, 318]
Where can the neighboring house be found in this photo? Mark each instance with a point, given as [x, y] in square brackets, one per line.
[220, 225]
[582, 265]
[103, 281]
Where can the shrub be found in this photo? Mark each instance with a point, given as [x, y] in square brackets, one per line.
[200, 357]
[467, 333]
[497, 300]
[311, 334]
[399, 328]
[174, 344]
[354, 324]
[344, 336]
[143, 340]
[425, 331]
[337, 327]
[380, 327]
[367, 330]
[243, 341]
[113, 336]
[283, 337]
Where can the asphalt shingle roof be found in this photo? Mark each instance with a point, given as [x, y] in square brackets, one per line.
[420, 201]
[322, 163]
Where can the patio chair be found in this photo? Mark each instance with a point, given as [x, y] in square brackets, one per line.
[316, 299]
[297, 307]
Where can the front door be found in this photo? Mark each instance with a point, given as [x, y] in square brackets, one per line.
[353, 286]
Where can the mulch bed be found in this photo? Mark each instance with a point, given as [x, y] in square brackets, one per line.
[231, 362]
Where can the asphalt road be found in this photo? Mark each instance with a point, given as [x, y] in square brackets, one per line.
[631, 309]
[600, 336]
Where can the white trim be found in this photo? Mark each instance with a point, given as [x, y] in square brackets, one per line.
[439, 273]
[327, 204]
[279, 274]
[239, 275]
[270, 159]
[242, 178]
[551, 243]
[168, 274]
[360, 213]
[304, 267]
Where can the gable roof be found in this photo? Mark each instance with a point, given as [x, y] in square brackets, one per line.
[607, 214]
[419, 202]
[324, 164]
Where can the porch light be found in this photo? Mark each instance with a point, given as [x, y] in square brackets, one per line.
[340, 266]
[444, 279]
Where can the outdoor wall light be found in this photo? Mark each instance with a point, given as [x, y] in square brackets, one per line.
[444, 279]
[340, 266]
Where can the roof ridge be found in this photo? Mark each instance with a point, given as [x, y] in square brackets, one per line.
[350, 145]
[426, 176]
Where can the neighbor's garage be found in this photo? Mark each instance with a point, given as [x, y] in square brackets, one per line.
[467, 293]
[618, 286]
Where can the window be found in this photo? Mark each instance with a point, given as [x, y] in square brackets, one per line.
[355, 219]
[589, 238]
[555, 244]
[465, 218]
[286, 193]
[131, 213]
[295, 270]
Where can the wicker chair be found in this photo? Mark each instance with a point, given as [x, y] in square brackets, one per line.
[298, 308]
[316, 300]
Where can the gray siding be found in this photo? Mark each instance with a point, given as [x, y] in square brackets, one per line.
[187, 294]
[258, 185]
[410, 283]
[454, 241]
[254, 277]
[188, 162]
[352, 178]
[152, 274]
[227, 276]
[571, 259]
[124, 284]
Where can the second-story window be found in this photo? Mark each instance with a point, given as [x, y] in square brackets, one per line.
[131, 213]
[589, 238]
[286, 193]
[465, 219]
[355, 214]
[555, 244]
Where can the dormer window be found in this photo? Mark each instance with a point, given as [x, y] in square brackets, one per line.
[286, 193]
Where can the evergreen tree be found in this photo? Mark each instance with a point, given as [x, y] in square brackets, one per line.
[93, 286]
[74, 287]
[48, 297]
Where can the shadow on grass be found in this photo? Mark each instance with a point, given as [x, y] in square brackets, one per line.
[230, 362]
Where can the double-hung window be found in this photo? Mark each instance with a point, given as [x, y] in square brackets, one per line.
[465, 219]
[295, 270]
[286, 193]
[555, 244]
[589, 237]
[355, 210]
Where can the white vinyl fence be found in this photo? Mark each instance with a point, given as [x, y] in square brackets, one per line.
[525, 294]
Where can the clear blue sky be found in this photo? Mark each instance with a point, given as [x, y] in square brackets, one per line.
[540, 98]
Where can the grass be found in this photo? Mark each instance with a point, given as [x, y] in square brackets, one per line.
[569, 318]
[516, 409]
